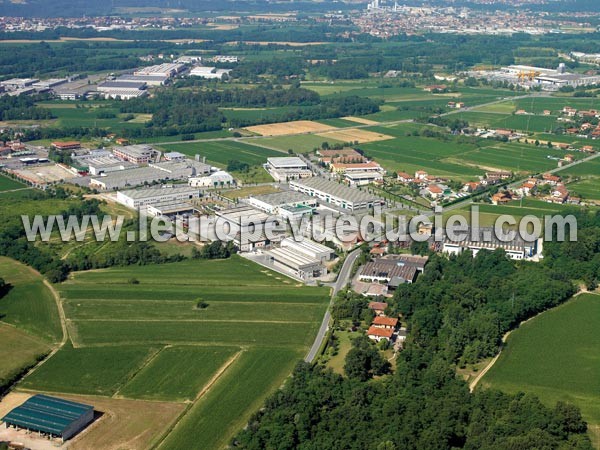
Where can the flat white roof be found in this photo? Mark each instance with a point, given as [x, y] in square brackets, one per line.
[292, 259]
[286, 161]
[311, 246]
[137, 194]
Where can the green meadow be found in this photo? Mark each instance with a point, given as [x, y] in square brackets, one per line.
[8, 184]
[221, 152]
[149, 339]
[555, 356]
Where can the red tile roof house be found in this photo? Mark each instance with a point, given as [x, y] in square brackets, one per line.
[434, 190]
[378, 251]
[378, 307]
[471, 186]
[69, 145]
[377, 334]
[405, 177]
[551, 179]
[385, 322]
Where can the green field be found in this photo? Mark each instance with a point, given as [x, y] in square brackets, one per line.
[91, 115]
[515, 157]
[411, 153]
[212, 422]
[150, 340]
[588, 188]
[8, 184]
[300, 144]
[586, 168]
[177, 373]
[18, 351]
[221, 152]
[526, 123]
[555, 356]
[29, 305]
[93, 370]
[488, 213]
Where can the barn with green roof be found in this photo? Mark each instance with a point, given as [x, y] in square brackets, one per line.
[51, 416]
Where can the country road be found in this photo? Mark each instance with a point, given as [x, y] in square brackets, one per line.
[342, 281]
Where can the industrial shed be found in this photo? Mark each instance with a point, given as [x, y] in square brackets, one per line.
[51, 416]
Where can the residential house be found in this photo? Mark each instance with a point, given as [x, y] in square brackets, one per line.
[471, 186]
[421, 175]
[404, 177]
[501, 198]
[434, 191]
[385, 322]
[378, 308]
[377, 334]
[550, 179]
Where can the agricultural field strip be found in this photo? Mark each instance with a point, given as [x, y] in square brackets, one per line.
[146, 382]
[193, 320]
[570, 328]
[242, 387]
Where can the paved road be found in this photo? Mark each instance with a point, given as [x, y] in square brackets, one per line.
[342, 281]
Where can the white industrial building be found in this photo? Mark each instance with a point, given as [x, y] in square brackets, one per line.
[226, 59]
[103, 165]
[48, 84]
[219, 179]
[309, 248]
[247, 227]
[138, 198]
[139, 154]
[363, 178]
[182, 169]
[150, 80]
[273, 203]
[209, 72]
[298, 264]
[547, 79]
[162, 70]
[170, 209]
[124, 90]
[174, 156]
[288, 168]
[336, 194]
[485, 239]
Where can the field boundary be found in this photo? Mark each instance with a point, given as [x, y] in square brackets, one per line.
[473, 384]
[61, 315]
[151, 357]
[203, 391]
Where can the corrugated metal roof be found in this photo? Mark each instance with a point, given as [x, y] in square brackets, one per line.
[46, 414]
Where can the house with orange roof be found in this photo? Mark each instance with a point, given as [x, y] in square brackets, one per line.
[404, 177]
[377, 334]
[501, 198]
[385, 322]
[471, 186]
[550, 179]
[378, 308]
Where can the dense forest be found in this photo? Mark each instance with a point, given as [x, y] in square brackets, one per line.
[22, 107]
[456, 312]
[177, 111]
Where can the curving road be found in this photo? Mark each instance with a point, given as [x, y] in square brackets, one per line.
[342, 280]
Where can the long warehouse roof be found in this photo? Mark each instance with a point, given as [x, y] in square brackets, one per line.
[46, 414]
[336, 190]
